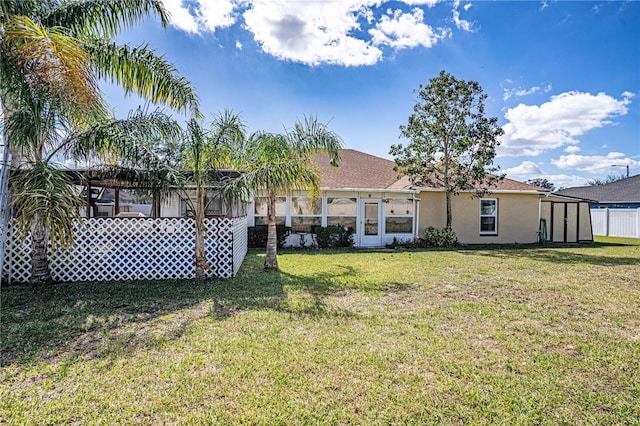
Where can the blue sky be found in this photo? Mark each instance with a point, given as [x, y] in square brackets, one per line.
[563, 77]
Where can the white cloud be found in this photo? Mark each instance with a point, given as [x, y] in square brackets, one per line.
[532, 129]
[316, 32]
[566, 181]
[181, 18]
[572, 149]
[594, 163]
[238, 45]
[461, 24]
[525, 169]
[530, 170]
[312, 33]
[520, 91]
[405, 30]
[200, 16]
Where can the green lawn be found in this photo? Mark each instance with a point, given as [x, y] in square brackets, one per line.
[485, 335]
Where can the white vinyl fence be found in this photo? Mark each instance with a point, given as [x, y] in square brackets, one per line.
[616, 222]
[135, 249]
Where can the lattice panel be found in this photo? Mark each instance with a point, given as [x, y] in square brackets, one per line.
[240, 238]
[132, 249]
[17, 255]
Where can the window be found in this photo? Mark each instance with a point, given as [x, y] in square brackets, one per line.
[214, 206]
[305, 215]
[489, 216]
[398, 216]
[261, 206]
[342, 211]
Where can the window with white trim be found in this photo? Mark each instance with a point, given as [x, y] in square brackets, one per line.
[398, 216]
[488, 216]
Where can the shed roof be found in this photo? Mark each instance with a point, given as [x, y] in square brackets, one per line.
[621, 191]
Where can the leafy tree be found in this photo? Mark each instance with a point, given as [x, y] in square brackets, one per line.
[542, 183]
[451, 143]
[279, 163]
[198, 156]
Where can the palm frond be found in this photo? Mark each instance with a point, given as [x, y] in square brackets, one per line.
[45, 195]
[103, 17]
[129, 141]
[139, 70]
[51, 63]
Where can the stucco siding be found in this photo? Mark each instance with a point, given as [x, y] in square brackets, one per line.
[517, 217]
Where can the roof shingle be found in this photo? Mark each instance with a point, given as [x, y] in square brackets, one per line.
[360, 170]
[621, 191]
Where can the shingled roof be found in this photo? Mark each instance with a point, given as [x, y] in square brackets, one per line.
[621, 191]
[365, 171]
[356, 170]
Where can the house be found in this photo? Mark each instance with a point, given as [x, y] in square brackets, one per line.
[615, 206]
[621, 194]
[366, 194]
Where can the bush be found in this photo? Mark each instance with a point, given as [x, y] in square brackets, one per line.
[257, 235]
[334, 236]
[439, 237]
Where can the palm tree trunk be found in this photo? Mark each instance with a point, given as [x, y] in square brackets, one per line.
[40, 272]
[201, 258]
[8, 110]
[271, 259]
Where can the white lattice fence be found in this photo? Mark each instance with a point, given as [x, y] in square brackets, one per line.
[134, 249]
[240, 239]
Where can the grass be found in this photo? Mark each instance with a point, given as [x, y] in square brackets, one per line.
[513, 335]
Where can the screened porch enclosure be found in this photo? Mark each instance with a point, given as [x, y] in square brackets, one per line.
[375, 218]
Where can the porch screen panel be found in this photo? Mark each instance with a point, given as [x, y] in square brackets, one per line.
[398, 216]
[261, 207]
[342, 211]
[305, 214]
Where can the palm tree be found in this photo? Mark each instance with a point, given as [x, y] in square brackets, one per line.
[278, 163]
[44, 195]
[52, 55]
[198, 157]
[56, 51]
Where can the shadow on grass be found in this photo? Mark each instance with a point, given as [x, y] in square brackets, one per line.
[556, 254]
[67, 321]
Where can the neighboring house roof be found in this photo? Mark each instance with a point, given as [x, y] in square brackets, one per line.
[621, 191]
[364, 171]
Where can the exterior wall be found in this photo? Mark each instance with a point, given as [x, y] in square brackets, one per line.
[517, 219]
[567, 219]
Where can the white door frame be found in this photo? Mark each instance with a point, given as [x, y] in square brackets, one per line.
[374, 236]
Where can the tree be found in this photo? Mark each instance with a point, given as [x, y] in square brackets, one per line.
[542, 183]
[198, 157]
[52, 54]
[56, 51]
[451, 143]
[45, 199]
[608, 179]
[278, 163]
